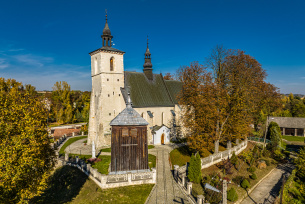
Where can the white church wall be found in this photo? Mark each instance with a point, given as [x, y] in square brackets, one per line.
[108, 100]
[157, 136]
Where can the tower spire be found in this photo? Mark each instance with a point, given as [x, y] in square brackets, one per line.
[107, 37]
[147, 64]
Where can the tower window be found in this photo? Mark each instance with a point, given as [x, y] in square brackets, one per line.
[108, 95]
[119, 94]
[109, 113]
[107, 79]
[111, 63]
[118, 79]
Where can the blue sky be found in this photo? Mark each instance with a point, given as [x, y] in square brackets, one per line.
[42, 42]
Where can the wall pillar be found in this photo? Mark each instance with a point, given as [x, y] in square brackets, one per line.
[82, 133]
[176, 171]
[284, 133]
[224, 192]
[200, 199]
[183, 180]
[237, 141]
[216, 150]
[189, 188]
[295, 132]
[229, 145]
[66, 157]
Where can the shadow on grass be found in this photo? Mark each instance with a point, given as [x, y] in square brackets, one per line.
[63, 186]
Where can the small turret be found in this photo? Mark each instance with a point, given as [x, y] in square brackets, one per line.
[147, 64]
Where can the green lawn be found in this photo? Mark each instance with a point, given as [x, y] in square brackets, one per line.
[101, 166]
[151, 161]
[70, 141]
[151, 146]
[294, 138]
[106, 150]
[180, 156]
[70, 185]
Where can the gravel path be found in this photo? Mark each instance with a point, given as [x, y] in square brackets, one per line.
[269, 188]
[166, 190]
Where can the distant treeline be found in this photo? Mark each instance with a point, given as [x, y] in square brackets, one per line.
[66, 105]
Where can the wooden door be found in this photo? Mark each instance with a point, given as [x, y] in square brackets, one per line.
[162, 138]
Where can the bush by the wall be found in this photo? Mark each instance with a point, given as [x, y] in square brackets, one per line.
[232, 195]
[238, 179]
[245, 184]
[267, 162]
[253, 176]
[252, 169]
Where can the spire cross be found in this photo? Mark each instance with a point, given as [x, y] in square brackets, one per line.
[147, 41]
[106, 14]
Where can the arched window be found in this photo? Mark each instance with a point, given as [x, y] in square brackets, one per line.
[162, 118]
[111, 63]
[95, 66]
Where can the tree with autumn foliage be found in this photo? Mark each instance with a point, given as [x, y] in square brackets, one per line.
[221, 100]
[26, 156]
[168, 76]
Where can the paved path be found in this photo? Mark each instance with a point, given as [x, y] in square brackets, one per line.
[269, 188]
[166, 190]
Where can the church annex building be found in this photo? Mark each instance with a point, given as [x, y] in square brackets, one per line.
[154, 98]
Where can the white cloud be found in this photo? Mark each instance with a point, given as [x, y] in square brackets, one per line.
[3, 63]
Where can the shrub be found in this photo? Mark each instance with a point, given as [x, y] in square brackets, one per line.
[238, 179]
[267, 162]
[245, 184]
[287, 153]
[233, 159]
[277, 154]
[252, 169]
[204, 152]
[232, 195]
[194, 170]
[253, 176]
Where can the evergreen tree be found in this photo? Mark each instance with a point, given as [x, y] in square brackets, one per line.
[191, 172]
[197, 169]
[274, 134]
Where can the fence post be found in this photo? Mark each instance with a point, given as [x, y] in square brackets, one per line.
[224, 192]
[82, 133]
[176, 171]
[200, 199]
[66, 157]
[189, 188]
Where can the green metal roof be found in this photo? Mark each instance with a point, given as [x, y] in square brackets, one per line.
[174, 88]
[154, 93]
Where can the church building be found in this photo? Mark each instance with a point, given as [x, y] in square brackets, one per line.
[154, 98]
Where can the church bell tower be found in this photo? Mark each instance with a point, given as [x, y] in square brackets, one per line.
[107, 72]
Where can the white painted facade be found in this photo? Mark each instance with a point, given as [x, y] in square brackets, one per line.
[162, 134]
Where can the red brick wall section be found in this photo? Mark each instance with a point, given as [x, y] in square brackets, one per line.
[60, 132]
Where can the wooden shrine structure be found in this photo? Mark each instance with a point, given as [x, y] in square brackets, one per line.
[129, 149]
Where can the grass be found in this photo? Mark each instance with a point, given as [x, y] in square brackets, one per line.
[70, 185]
[151, 146]
[151, 161]
[70, 141]
[180, 156]
[101, 166]
[294, 138]
[106, 150]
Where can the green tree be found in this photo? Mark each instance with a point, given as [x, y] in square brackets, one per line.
[194, 170]
[26, 156]
[299, 162]
[274, 134]
[191, 170]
